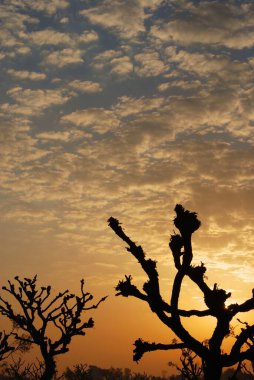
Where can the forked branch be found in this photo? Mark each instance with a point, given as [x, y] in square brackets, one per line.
[170, 313]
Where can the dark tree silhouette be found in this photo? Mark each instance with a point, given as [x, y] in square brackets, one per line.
[5, 347]
[39, 311]
[19, 370]
[190, 369]
[213, 359]
[85, 372]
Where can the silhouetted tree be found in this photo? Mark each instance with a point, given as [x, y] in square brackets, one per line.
[79, 372]
[246, 370]
[18, 369]
[214, 360]
[190, 369]
[39, 311]
[5, 347]
[85, 372]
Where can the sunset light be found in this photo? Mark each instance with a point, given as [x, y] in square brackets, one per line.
[125, 109]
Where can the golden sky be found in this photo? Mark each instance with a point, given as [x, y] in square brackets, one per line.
[126, 108]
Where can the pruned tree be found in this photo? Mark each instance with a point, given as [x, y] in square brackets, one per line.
[211, 354]
[38, 311]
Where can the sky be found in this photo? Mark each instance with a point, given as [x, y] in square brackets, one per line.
[125, 108]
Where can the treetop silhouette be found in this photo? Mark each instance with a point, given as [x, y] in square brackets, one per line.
[38, 310]
[210, 352]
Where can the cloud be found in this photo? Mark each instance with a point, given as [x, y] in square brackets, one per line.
[148, 63]
[8, 40]
[127, 106]
[46, 6]
[216, 23]
[64, 57]
[88, 36]
[55, 38]
[54, 136]
[85, 86]
[124, 18]
[106, 265]
[121, 66]
[23, 50]
[30, 216]
[159, 111]
[115, 61]
[99, 120]
[64, 20]
[181, 84]
[15, 21]
[208, 64]
[31, 102]
[49, 37]
[13, 28]
[107, 55]
[24, 74]
[2, 56]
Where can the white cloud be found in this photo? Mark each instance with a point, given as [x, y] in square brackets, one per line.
[207, 64]
[14, 21]
[88, 36]
[64, 20]
[99, 120]
[23, 50]
[121, 66]
[148, 63]
[47, 6]
[30, 102]
[24, 74]
[127, 106]
[85, 86]
[13, 27]
[217, 23]
[115, 61]
[55, 38]
[64, 57]
[107, 55]
[8, 40]
[54, 136]
[49, 37]
[181, 84]
[124, 18]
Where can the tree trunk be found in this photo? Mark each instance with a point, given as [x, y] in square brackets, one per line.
[212, 370]
[50, 369]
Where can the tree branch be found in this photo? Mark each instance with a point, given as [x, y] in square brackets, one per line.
[142, 347]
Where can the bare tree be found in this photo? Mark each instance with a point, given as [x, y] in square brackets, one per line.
[213, 359]
[39, 311]
[18, 369]
[5, 347]
[190, 368]
[79, 372]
